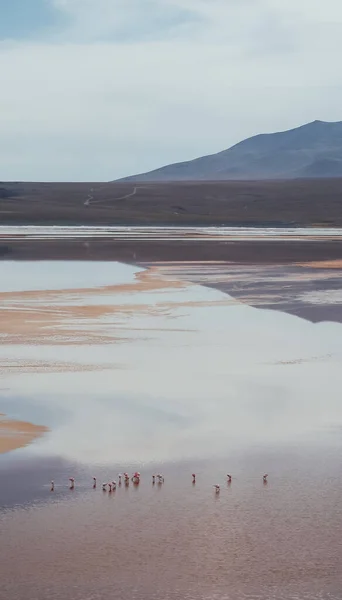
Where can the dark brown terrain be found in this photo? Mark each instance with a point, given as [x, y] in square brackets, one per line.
[270, 203]
[149, 251]
[274, 203]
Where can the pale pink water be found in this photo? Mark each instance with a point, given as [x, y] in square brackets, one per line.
[281, 540]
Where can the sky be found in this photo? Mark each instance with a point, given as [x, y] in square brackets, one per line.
[94, 90]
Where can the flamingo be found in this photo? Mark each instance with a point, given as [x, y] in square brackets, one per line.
[160, 478]
[153, 478]
[94, 484]
[136, 478]
[126, 476]
[72, 482]
[217, 488]
[104, 487]
[52, 486]
[264, 477]
[110, 487]
[120, 477]
[194, 478]
[229, 478]
[114, 485]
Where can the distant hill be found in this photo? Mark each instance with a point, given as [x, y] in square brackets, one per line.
[312, 150]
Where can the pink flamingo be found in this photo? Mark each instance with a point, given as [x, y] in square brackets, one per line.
[229, 477]
[153, 479]
[264, 477]
[104, 487]
[120, 477]
[94, 484]
[72, 482]
[217, 488]
[136, 478]
[110, 487]
[194, 478]
[114, 485]
[52, 486]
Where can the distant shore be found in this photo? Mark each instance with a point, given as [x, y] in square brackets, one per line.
[298, 203]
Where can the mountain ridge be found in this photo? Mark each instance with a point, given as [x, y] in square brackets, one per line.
[312, 150]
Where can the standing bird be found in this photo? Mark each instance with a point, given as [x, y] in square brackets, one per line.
[153, 479]
[264, 478]
[160, 478]
[229, 477]
[52, 486]
[94, 482]
[217, 488]
[126, 477]
[194, 478]
[114, 485]
[72, 482]
[110, 487]
[136, 478]
[120, 477]
[104, 487]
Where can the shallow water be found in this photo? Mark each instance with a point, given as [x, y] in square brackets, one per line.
[166, 233]
[185, 380]
[16, 277]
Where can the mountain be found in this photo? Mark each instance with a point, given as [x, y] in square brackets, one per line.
[312, 150]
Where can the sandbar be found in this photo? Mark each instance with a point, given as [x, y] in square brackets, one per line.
[17, 434]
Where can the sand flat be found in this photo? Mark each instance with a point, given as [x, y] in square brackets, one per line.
[17, 434]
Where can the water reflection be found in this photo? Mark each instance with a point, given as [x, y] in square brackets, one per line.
[203, 377]
[187, 381]
[57, 275]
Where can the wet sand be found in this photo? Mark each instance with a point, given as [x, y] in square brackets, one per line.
[18, 434]
[159, 373]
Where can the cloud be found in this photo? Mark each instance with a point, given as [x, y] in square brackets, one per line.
[124, 20]
[122, 87]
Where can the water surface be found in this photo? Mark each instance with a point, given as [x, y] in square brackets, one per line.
[167, 233]
[131, 370]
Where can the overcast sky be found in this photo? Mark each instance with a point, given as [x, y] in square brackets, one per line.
[93, 90]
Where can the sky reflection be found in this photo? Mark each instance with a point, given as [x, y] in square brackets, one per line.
[191, 381]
